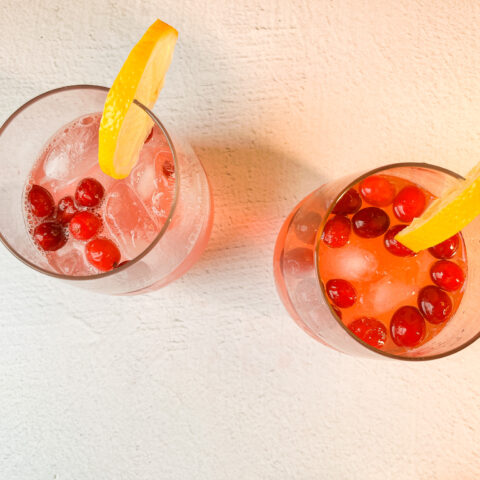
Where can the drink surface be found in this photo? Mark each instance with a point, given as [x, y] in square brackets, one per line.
[370, 279]
[132, 211]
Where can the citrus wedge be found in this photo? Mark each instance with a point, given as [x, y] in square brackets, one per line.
[124, 125]
[446, 216]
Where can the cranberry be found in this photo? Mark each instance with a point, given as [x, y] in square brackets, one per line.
[446, 249]
[49, 236]
[369, 330]
[89, 193]
[122, 264]
[377, 190]
[447, 275]
[370, 222]
[84, 225]
[103, 254]
[149, 137]
[407, 327]
[435, 304]
[338, 312]
[394, 246]
[341, 292]
[168, 168]
[409, 203]
[41, 201]
[337, 231]
[349, 203]
[66, 210]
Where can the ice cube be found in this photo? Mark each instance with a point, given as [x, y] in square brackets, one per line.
[70, 260]
[74, 151]
[388, 294]
[350, 263]
[128, 221]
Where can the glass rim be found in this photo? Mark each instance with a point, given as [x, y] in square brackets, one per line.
[171, 212]
[358, 179]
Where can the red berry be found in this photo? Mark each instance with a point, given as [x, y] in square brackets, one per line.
[369, 330]
[168, 168]
[377, 190]
[394, 246]
[122, 264]
[349, 203]
[66, 210]
[40, 201]
[103, 254]
[89, 193]
[149, 137]
[435, 304]
[407, 327]
[370, 222]
[409, 203]
[49, 236]
[337, 231]
[447, 275]
[337, 312]
[446, 249]
[341, 292]
[84, 225]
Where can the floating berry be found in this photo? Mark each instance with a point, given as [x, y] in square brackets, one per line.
[349, 203]
[377, 190]
[341, 292]
[407, 327]
[84, 225]
[40, 201]
[369, 330]
[409, 203]
[89, 193]
[447, 275]
[103, 254]
[446, 249]
[49, 236]
[337, 231]
[370, 222]
[435, 304]
[66, 210]
[394, 246]
[337, 312]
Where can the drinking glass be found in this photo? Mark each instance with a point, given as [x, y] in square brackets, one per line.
[296, 263]
[173, 251]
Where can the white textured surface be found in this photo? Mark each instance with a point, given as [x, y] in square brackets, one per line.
[209, 378]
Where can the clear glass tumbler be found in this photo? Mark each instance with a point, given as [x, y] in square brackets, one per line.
[296, 262]
[177, 246]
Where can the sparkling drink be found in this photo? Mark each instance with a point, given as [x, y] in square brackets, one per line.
[347, 281]
[62, 216]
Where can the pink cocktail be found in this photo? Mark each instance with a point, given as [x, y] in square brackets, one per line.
[71, 221]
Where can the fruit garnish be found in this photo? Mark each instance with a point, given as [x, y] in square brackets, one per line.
[377, 191]
[103, 254]
[66, 210]
[407, 327]
[370, 222]
[369, 330]
[409, 203]
[341, 292]
[447, 275]
[89, 193]
[446, 216]
[446, 249]
[349, 203]
[40, 201]
[84, 225]
[124, 126]
[49, 236]
[435, 304]
[337, 231]
[394, 246]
